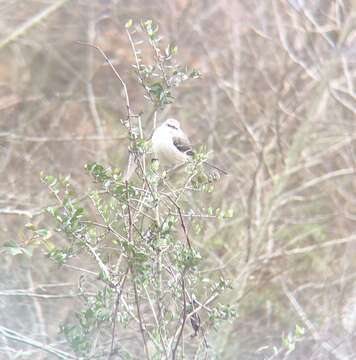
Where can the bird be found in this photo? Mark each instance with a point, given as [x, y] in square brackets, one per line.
[171, 145]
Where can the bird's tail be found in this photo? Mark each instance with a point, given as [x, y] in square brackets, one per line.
[216, 168]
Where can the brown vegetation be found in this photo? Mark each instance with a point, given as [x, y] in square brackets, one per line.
[276, 106]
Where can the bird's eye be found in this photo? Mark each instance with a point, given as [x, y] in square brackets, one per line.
[172, 126]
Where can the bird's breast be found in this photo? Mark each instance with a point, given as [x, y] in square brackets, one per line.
[165, 150]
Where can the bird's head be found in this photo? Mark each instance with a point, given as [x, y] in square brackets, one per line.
[172, 125]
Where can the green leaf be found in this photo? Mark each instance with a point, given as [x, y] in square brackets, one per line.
[13, 249]
[44, 233]
[155, 165]
[128, 24]
[229, 213]
[299, 330]
[174, 50]
[30, 226]
[195, 74]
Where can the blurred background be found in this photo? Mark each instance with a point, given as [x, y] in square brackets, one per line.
[275, 106]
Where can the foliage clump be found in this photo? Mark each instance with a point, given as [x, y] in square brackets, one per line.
[137, 234]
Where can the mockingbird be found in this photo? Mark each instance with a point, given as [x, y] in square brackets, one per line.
[171, 145]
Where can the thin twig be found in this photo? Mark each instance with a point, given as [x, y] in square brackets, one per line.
[184, 318]
[181, 221]
[13, 335]
[307, 322]
[115, 72]
[139, 315]
[32, 22]
[114, 316]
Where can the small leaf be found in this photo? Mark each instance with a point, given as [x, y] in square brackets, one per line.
[44, 233]
[195, 74]
[30, 226]
[299, 330]
[229, 213]
[155, 165]
[128, 24]
[174, 50]
[13, 249]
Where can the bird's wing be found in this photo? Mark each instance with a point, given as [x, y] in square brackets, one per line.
[183, 145]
